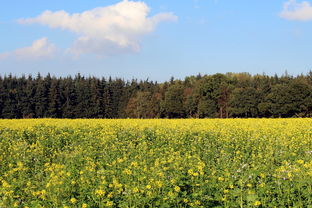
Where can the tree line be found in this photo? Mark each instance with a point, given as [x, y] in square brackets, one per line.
[230, 95]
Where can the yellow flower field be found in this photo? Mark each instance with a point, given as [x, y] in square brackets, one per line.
[156, 163]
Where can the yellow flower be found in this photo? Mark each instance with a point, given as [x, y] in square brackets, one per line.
[195, 174]
[134, 164]
[170, 194]
[73, 200]
[43, 192]
[135, 190]
[99, 192]
[5, 184]
[110, 195]
[257, 203]
[84, 205]
[177, 188]
[109, 203]
[127, 171]
[159, 184]
[148, 186]
[190, 172]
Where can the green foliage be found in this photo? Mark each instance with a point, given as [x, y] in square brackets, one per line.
[173, 102]
[213, 96]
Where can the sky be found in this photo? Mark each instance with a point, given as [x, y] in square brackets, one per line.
[155, 40]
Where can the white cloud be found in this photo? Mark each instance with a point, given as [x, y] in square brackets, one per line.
[40, 49]
[105, 30]
[297, 11]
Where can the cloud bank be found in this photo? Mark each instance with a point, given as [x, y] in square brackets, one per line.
[105, 30]
[40, 49]
[297, 11]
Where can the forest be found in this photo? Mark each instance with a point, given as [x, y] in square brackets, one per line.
[230, 95]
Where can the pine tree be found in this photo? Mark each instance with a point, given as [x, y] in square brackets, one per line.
[2, 96]
[41, 97]
[68, 98]
[54, 100]
[10, 102]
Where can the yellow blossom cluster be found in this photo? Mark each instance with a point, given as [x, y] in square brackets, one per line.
[156, 163]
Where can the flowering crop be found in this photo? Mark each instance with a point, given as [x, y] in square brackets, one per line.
[156, 163]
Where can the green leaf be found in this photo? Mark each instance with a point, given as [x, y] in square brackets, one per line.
[252, 197]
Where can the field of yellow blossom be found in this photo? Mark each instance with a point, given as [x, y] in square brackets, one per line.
[156, 163]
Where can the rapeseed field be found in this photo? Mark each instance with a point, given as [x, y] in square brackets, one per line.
[156, 163]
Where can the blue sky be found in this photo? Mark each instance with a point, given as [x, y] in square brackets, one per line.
[155, 39]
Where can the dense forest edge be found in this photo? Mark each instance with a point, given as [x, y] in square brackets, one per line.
[230, 95]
